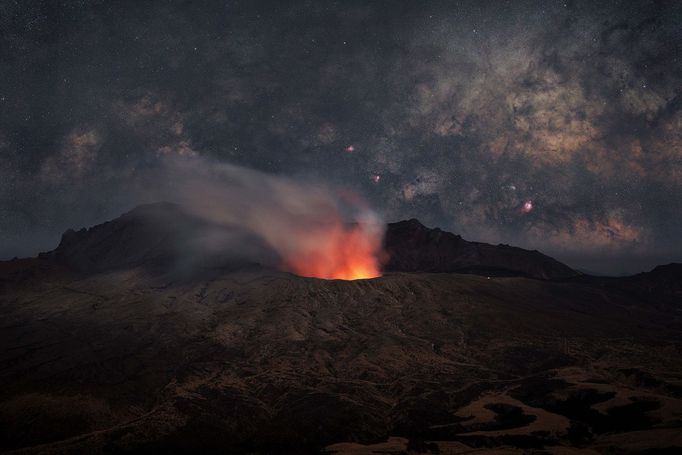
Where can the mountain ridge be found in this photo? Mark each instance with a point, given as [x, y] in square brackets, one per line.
[153, 234]
[412, 247]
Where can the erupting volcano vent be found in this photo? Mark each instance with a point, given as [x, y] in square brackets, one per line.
[339, 252]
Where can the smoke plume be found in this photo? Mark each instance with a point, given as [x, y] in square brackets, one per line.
[313, 230]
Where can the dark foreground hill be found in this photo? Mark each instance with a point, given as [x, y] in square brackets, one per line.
[132, 359]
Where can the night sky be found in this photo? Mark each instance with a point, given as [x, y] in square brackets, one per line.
[551, 125]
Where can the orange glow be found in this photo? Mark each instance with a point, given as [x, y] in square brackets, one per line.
[340, 252]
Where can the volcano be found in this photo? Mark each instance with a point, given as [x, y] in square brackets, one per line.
[159, 236]
[141, 335]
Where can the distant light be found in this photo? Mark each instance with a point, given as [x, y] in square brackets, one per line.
[350, 149]
[376, 178]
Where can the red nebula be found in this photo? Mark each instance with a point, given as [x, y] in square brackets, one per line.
[527, 206]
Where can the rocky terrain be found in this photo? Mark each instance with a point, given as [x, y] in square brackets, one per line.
[109, 345]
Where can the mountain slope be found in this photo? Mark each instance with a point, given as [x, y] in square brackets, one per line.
[161, 237]
[665, 279]
[264, 361]
[412, 247]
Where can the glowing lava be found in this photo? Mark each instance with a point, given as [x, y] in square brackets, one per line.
[340, 252]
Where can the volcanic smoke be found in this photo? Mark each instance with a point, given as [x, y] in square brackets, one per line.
[313, 232]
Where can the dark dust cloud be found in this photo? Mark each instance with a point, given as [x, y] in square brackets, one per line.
[554, 125]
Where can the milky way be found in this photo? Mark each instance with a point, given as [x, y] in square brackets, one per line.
[550, 125]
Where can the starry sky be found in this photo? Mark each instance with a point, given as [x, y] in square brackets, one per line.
[551, 125]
